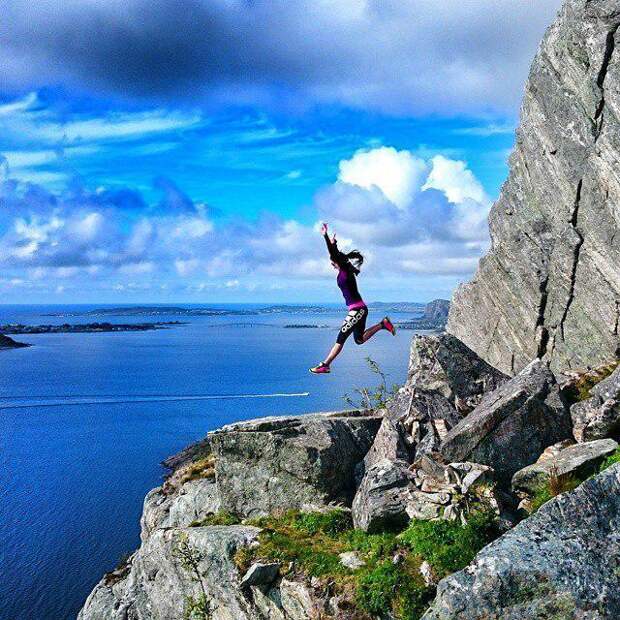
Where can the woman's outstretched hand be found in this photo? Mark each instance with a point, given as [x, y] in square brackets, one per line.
[324, 228]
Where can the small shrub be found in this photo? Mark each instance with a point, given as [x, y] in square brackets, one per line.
[202, 468]
[372, 398]
[560, 483]
[218, 518]
[554, 486]
[197, 608]
[612, 459]
[579, 388]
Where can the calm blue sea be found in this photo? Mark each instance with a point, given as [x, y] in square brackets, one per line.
[79, 447]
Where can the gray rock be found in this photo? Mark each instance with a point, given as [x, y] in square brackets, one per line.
[392, 493]
[382, 498]
[159, 583]
[425, 417]
[260, 574]
[562, 562]
[579, 460]
[512, 425]
[193, 501]
[391, 442]
[550, 284]
[444, 364]
[598, 417]
[304, 462]
[351, 560]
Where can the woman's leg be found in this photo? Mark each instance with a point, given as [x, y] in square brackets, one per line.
[371, 331]
[333, 354]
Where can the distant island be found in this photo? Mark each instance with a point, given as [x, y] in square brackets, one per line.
[80, 328]
[403, 307]
[155, 310]
[9, 343]
[435, 317]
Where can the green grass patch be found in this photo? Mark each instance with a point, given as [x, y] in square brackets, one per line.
[580, 389]
[202, 468]
[309, 544]
[218, 518]
[612, 459]
[449, 546]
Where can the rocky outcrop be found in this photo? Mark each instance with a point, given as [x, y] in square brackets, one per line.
[560, 563]
[598, 416]
[437, 310]
[579, 460]
[304, 462]
[513, 424]
[193, 501]
[445, 365]
[550, 284]
[392, 493]
[8, 343]
[172, 570]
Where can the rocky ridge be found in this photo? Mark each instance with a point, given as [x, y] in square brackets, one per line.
[550, 284]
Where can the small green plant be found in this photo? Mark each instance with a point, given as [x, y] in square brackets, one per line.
[449, 546]
[372, 398]
[555, 485]
[197, 608]
[217, 518]
[612, 459]
[580, 388]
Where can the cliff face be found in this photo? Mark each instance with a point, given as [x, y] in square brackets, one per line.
[550, 284]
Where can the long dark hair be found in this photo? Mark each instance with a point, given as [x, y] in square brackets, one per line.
[355, 259]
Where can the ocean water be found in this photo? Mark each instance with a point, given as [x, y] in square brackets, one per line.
[86, 419]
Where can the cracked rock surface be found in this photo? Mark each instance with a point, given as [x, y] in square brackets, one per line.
[550, 283]
[304, 462]
[560, 563]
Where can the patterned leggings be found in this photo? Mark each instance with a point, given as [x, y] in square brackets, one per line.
[354, 323]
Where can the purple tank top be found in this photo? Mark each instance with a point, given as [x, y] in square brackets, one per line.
[348, 285]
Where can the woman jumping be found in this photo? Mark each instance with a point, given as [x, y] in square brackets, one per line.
[355, 322]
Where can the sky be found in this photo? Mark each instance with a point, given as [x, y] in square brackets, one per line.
[187, 152]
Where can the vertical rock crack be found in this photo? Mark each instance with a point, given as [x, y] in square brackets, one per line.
[576, 252]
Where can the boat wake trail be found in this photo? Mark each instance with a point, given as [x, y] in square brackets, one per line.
[7, 402]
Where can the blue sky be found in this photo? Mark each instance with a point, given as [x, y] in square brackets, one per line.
[150, 153]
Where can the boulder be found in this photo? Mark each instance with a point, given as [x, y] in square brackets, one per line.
[305, 462]
[423, 418]
[193, 501]
[599, 416]
[512, 425]
[160, 582]
[579, 460]
[382, 498]
[392, 492]
[562, 562]
[392, 442]
[260, 574]
[443, 364]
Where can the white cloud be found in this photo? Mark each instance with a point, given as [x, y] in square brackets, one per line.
[398, 174]
[455, 180]
[89, 239]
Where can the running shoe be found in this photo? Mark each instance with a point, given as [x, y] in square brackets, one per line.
[321, 369]
[387, 324]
